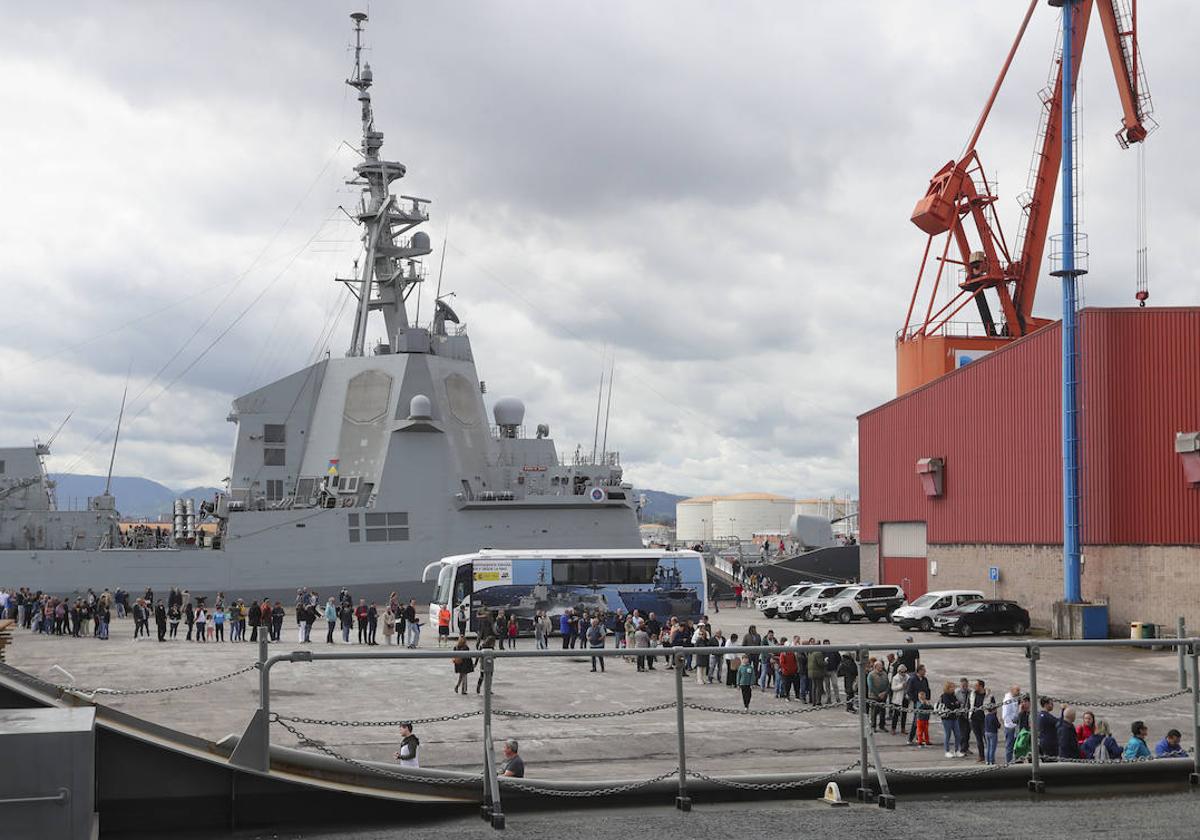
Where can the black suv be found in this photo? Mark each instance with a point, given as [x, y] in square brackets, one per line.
[988, 616]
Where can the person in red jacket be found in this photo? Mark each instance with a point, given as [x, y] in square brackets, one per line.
[360, 617]
[788, 674]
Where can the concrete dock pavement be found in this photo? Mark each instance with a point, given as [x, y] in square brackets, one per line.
[635, 746]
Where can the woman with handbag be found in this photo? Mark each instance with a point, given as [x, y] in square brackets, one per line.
[463, 666]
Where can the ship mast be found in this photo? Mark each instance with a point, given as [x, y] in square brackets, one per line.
[392, 268]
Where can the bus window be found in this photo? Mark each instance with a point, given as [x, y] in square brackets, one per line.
[571, 571]
[641, 571]
[463, 581]
[444, 586]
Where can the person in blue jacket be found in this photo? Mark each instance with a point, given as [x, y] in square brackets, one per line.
[566, 627]
[1136, 746]
[1101, 745]
[1047, 729]
[1169, 746]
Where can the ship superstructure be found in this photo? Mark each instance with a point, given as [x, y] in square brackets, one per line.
[354, 471]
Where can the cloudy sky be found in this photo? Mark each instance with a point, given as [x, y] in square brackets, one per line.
[716, 195]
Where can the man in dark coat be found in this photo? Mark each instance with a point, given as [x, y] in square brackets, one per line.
[1047, 729]
[254, 619]
[160, 620]
[1068, 742]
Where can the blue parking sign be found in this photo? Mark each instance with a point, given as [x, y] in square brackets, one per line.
[993, 573]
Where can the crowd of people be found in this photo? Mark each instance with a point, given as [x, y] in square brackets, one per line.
[225, 619]
[900, 699]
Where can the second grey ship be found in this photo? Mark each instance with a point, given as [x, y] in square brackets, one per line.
[354, 471]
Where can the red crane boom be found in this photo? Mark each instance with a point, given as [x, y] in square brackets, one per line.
[960, 205]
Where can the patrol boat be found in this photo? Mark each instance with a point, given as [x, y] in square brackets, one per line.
[353, 472]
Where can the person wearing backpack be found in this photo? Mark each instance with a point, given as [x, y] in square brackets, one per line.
[1101, 745]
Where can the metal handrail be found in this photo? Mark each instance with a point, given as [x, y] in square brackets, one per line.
[253, 750]
[62, 796]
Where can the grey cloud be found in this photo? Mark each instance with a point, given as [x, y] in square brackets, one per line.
[717, 192]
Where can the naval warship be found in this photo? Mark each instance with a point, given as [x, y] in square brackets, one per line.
[353, 472]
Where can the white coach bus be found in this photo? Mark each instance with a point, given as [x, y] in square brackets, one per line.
[524, 583]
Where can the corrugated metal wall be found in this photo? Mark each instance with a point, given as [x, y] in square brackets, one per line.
[996, 424]
[1141, 374]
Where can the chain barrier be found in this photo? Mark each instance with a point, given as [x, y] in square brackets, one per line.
[809, 782]
[1116, 704]
[384, 723]
[513, 713]
[362, 765]
[129, 692]
[786, 710]
[610, 790]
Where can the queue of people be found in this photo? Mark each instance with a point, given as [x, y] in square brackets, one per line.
[900, 699]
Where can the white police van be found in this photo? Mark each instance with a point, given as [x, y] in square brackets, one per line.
[874, 602]
[768, 605]
[800, 604]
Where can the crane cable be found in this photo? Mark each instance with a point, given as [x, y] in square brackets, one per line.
[1142, 293]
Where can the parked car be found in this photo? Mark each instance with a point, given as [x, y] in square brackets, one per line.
[872, 603]
[800, 604]
[769, 604]
[987, 616]
[922, 612]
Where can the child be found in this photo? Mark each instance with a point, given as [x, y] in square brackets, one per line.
[991, 731]
[924, 708]
[745, 679]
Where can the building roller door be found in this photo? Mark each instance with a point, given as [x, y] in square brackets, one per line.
[903, 557]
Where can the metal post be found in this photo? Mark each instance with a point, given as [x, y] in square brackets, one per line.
[885, 798]
[1036, 785]
[683, 802]
[1072, 590]
[253, 749]
[1181, 633]
[491, 809]
[264, 677]
[1194, 778]
[865, 792]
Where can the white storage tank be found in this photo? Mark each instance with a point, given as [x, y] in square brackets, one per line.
[694, 519]
[743, 515]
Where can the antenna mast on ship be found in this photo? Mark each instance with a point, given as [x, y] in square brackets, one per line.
[392, 268]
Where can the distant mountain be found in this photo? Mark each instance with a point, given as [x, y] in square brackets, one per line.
[660, 506]
[137, 498]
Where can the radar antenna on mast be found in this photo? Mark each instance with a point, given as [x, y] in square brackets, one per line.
[392, 266]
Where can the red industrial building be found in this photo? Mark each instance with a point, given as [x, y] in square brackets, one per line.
[965, 473]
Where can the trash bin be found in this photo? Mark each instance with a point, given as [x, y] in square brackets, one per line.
[1137, 630]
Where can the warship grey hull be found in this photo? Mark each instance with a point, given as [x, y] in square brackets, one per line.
[316, 556]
